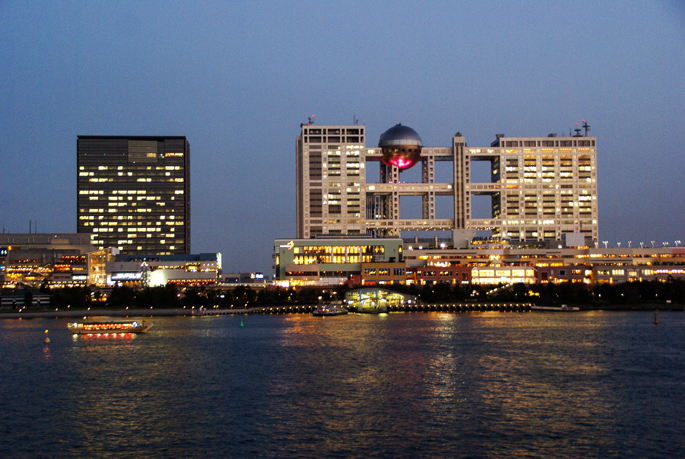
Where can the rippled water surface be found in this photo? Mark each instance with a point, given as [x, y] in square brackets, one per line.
[397, 385]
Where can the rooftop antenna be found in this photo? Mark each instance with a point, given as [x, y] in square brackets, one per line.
[310, 121]
[355, 120]
[586, 126]
[30, 224]
[577, 129]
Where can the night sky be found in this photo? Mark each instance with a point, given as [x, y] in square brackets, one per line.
[238, 78]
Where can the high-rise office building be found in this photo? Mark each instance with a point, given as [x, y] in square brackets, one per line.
[134, 193]
[330, 180]
[540, 188]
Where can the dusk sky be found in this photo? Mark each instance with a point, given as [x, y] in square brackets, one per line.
[238, 78]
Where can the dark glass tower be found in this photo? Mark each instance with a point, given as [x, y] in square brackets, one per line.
[134, 193]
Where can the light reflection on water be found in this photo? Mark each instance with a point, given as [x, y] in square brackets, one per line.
[400, 385]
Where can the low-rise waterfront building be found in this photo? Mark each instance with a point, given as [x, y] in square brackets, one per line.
[366, 299]
[158, 270]
[501, 261]
[56, 259]
[333, 260]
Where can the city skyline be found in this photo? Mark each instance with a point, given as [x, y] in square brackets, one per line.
[238, 79]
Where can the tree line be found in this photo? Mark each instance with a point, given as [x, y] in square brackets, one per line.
[627, 293]
[170, 296]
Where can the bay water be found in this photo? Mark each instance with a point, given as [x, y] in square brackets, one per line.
[586, 384]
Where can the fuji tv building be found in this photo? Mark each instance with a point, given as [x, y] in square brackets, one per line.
[543, 206]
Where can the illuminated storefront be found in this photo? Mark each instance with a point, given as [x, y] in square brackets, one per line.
[332, 261]
[497, 263]
[35, 259]
[159, 270]
[375, 299]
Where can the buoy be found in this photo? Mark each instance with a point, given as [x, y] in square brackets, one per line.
[47, 338]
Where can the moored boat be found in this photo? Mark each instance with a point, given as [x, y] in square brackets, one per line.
[92, 328]
[329, 310]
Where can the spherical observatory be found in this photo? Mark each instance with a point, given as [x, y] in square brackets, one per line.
[401, 147]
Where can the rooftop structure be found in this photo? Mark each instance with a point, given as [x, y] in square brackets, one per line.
[401, 147]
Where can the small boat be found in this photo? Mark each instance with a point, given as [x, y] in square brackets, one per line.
[329, 310]
[93, 328]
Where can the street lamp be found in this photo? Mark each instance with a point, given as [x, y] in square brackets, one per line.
[605, 243]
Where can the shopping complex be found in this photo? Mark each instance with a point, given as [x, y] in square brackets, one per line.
[310, 262]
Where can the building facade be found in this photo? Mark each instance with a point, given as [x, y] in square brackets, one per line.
[334, 260]
[203, 269]
[331, 197]
[134, 193]
[540, 188]
[500, 262]
[33, 259]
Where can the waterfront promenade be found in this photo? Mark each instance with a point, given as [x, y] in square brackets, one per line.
[298, 309]
[80, 313]
[306, 309]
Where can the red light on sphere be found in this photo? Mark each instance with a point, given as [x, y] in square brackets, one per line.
[401, 147]
[401, 159]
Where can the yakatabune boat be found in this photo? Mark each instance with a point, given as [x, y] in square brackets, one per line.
[89, 328]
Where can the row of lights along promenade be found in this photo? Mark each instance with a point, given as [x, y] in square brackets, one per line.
[432, 307]
[300, 309]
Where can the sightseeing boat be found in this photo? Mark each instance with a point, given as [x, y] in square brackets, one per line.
[92, 328]
[329, 310]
